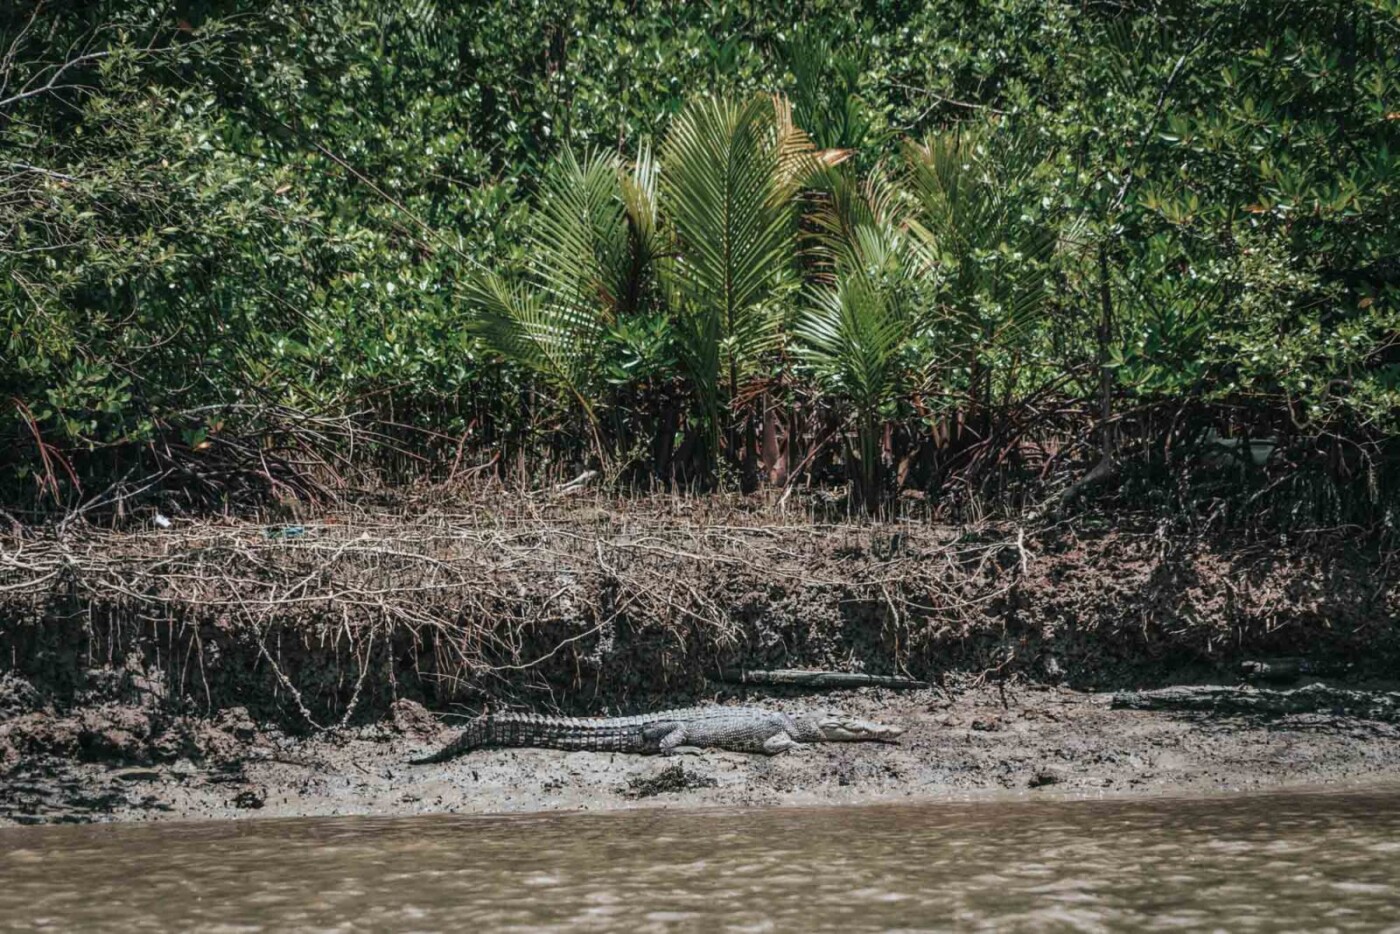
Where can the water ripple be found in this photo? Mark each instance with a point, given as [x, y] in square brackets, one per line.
[1249, 863]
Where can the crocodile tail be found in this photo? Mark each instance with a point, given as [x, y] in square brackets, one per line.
[473, 736]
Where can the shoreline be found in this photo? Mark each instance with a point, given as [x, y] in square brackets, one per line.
[215, 670]
[1048, 743]
[1383, 786]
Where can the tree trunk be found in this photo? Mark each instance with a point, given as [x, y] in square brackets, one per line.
[1105, 337]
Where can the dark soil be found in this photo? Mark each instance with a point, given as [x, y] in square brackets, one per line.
[671, 780]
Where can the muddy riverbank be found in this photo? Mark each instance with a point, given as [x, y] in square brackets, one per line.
[1022, 740]
[229, 669]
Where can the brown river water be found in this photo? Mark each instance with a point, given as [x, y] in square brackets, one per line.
[1304, 862]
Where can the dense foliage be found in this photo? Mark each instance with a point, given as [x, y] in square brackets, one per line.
[945, 246]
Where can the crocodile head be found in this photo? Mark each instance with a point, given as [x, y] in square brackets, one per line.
[838, 729]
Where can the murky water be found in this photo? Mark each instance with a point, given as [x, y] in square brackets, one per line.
[1268, 862]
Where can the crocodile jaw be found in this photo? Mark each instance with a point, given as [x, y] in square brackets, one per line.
[835, 729]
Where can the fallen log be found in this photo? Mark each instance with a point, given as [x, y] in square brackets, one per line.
[1236, 701]
[1288, 670]
[826, 680]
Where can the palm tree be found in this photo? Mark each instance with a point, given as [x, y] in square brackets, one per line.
[856, 330]
[730, 170]
[593, 249]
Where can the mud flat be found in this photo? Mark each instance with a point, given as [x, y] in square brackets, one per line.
[232, 670]
[1025, 741]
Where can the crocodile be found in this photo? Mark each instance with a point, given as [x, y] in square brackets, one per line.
[669, 732]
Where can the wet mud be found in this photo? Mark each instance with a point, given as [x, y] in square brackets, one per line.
[1027, 740]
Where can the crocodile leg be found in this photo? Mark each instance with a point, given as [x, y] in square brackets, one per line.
[671, 741]
[781, 742]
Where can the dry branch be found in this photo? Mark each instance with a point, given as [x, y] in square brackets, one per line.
[819, 680]
[516, 592]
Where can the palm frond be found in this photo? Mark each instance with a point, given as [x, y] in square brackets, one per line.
[579, 236]
[852, 336]
[825, 91]
[731, 219]
[800, 162]
[861, 223]
[639, 185]
[553, 341]
[582, 269]
[639, 192]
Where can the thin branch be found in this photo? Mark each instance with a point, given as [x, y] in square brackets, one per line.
[25, 167]
[944, 99]
[52, 85]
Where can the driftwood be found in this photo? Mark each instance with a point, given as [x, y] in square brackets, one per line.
[1235, 701]
[826, 680]
[1287, 670]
